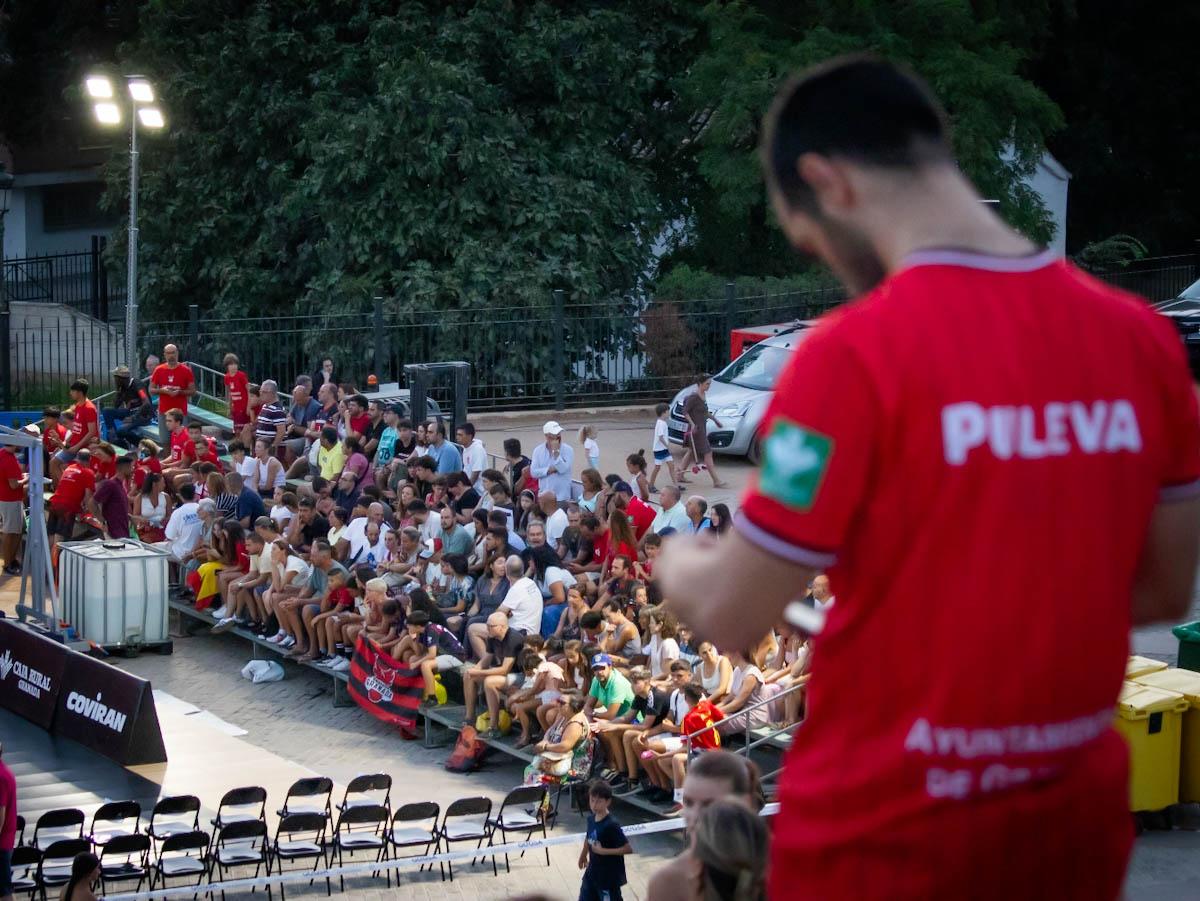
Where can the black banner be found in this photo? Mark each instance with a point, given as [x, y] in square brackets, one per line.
[70, 694]
[384, 687]
[31, 672]
[110, 711]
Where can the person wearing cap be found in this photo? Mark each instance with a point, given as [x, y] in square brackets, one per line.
[131, 412]
[611, 694]
[552, 461]
[641, 515]
[110, 502]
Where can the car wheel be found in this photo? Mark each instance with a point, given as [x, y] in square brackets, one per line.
[754, 451]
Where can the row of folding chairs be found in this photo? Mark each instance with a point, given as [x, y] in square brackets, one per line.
[173, 846]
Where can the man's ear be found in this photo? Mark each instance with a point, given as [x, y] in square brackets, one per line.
[828, 180]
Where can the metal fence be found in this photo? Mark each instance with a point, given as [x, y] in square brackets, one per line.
[1156, 278]
[77, 280]
[562, 354]
[42, 355]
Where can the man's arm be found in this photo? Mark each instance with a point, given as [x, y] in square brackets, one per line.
[539, 462]
[1166, 575]
[705, 582]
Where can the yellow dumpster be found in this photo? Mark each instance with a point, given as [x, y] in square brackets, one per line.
[1139, 666]
[1151, 720]
[1187, 683]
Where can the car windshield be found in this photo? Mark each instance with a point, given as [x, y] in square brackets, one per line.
[1191, 292]
[758, 368]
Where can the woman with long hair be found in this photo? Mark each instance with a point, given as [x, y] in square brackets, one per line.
[151, 509]
[621, 539]
[731, 845]
[593, 487]
[720, 518]
[85, 873]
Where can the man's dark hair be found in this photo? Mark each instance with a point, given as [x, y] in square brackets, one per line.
[694, 692]
[859, 107]
[52, 412]
[306, 503]
[590, 620]
[360, 400]
[199, 427]
[418, 618]
[591, 520]
[81, 386]
[468, 428]
[187, 492]
[416, 505]
[319, 484]
[236, 445]
[680, 666]
[320, 544]
[404, 423]
[426, 462]
[512, 447]
[499, 519]
[598, 788]
[329, 433]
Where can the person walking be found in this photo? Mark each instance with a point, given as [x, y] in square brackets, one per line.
[698, 450]
[982, 419]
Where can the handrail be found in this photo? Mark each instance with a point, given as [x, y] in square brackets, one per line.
[747, 710]
[210, 383]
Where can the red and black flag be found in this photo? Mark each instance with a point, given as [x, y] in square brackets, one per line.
[385, 688]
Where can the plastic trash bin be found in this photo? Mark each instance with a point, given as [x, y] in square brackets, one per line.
[1139, 666]
[1187, 683]
[1189, 645]
[1151, 720]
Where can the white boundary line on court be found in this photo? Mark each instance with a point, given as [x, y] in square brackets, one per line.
[355, 869]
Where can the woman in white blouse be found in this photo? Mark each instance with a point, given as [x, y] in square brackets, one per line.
[662, 648]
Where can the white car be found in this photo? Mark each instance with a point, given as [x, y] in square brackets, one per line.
[740, 393]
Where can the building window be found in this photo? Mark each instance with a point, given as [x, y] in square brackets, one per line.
[72, 206]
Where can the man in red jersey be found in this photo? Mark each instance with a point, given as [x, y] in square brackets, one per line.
[172, 383]
[85, 429]
[986, 412]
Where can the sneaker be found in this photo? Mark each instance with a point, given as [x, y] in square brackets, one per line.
[675, 810]
[618, 784]
[660, 796]
[627, 788]
[224, 625]
[428, 702]
[13, 569]
[219, 613]
[288, 643]
[339, 665]
[277, 637]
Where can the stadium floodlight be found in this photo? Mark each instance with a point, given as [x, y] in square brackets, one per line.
[108, 113]
[99, 87]
[141, 92]
[151, 117]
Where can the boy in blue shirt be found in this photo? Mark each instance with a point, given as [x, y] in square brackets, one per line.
[604, 846]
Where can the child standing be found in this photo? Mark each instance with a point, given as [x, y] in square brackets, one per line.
[591, 449]
[604, 846]
[660, 448]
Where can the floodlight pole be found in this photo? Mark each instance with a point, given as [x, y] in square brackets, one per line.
[131, 305]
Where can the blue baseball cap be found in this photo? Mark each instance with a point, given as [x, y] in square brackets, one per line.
[601, 660]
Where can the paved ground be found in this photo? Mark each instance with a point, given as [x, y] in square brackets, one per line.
[296, 719]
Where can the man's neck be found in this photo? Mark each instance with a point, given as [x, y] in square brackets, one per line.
[940, 209]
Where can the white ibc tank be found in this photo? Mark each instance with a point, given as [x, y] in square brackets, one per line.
[114, 592]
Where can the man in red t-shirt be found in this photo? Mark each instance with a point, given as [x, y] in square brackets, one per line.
[987, 414]
[54, 433]
[641, 515]
[12, 508]
[85, 429]
[172, 383]
[73, 492]
[237, 390]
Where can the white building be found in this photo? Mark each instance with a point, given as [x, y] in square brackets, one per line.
[1050, 181]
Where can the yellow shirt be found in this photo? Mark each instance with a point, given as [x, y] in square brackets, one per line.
[331, 462]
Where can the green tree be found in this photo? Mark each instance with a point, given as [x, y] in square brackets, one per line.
[750, 48]
[445, 156]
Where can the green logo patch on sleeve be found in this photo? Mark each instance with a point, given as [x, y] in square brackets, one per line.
[794, 463]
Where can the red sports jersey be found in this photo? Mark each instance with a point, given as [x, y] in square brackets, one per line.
[10, 468]
[699, 718]
[76, 481]
[641, 515]
[104, 469]
[179, 376]
[973, 451]
[49, 434]
[188, 451]
[85, 415]
[143, 467]
[179, 440]
[237, 387]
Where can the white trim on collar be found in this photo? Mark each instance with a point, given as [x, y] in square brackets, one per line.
[972, 260]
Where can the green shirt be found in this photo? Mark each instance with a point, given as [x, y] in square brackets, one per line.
[616, 689]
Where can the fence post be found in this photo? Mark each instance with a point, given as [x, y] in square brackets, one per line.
[94, 259]
[730, 315]
[557, 338]
[193, 347]
[5, 359]
[102, 281]
[380, 341]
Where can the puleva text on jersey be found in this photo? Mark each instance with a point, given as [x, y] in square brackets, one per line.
[1027, 432]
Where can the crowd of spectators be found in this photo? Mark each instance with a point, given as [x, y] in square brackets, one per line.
[337, 516]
